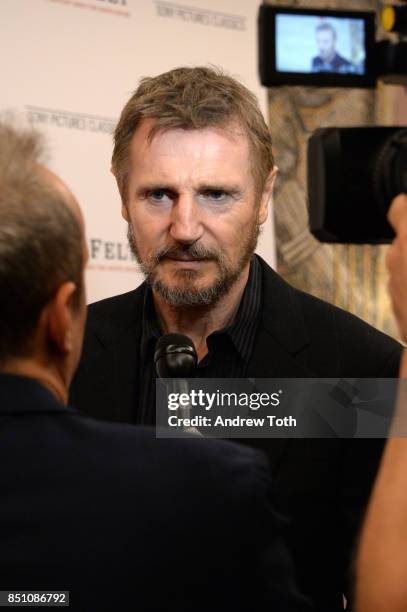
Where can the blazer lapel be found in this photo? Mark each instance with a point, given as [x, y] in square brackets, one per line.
[281, 335]
[271, 360]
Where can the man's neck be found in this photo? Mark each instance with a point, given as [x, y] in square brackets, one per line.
[30, 368]
[199, 322]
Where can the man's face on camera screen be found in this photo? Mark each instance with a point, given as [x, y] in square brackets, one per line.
[326, 44]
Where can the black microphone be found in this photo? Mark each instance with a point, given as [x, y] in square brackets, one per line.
[175, 357]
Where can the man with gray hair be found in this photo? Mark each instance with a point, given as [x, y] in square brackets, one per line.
[107, 512]
[194, 165]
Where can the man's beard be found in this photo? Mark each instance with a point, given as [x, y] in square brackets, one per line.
[184, 295]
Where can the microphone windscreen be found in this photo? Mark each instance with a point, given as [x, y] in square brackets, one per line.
[175, 356]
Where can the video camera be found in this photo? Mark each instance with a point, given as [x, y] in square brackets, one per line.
[353, 173]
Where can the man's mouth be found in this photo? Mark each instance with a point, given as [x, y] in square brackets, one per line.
[184, 258]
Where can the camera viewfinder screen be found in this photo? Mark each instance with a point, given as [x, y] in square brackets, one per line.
[313, 44]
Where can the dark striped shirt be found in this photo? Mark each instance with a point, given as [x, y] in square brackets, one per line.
[229, 349]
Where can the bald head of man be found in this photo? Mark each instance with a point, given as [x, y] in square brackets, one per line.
[42, 259]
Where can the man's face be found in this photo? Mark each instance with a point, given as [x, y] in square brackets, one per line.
[326, 44]
[192, 210]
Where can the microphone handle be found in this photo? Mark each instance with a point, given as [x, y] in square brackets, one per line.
[180, 385]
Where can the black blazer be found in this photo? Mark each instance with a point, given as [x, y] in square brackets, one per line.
[338, 64]
[125, 521]
[322, 486]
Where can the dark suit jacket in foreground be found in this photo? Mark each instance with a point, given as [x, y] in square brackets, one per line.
[127, 522]
[322, 486]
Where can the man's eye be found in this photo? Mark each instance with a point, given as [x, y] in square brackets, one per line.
[216, 195]
[159, 195]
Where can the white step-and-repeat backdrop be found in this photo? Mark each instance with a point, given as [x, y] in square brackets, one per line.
[69, 66]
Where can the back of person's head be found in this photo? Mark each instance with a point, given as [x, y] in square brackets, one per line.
[193, 98]
[41, 242]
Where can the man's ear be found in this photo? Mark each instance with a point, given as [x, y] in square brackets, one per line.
[61, 315]
[266, 196]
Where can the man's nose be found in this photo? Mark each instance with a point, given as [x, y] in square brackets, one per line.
[185, 222]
